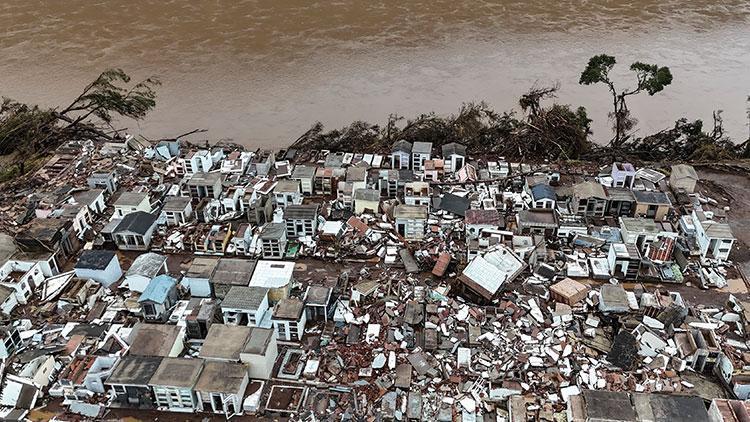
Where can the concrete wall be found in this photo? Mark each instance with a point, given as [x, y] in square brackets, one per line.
[704, 242]
[683, 183]
[544, 203]
[258, 314]
[261, 366]
[360, 205]
[105, 277]
[121, 211]
[199, 287]
[661, 211]
[33, 277]
[137, 283]
[418, 160]
[181, 404]
[7, 307]
[300, 330]
[100, 371]
[291, 227]
[135, 247]
[413, 229]
[742, 391]
[451, 163]
[405, 160]
[306, 184]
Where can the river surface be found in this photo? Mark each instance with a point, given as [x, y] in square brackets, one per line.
[262, 72]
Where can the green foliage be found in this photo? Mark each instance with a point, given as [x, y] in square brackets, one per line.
[582, 119]
[597, 70]
[686, 141]
[8, 173]
[651, 77]
[24, 128]
[554, 132]
[558, 132]
[106, 98]
[31, 131]
[530, 102]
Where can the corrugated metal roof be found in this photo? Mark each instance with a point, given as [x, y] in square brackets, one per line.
[661, 250]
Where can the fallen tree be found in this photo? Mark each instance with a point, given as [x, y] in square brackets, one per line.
[554, 132]
[687, 141]
[31, 131]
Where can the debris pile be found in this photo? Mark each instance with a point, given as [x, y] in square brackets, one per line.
[342, 285]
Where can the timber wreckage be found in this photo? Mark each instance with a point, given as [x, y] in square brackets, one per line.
[412, 280]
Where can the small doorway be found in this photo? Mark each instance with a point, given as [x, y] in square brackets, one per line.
[217, 403]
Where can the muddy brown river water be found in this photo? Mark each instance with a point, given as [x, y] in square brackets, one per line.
[261, 72]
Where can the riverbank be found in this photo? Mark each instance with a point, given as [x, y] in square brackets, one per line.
[261, 74]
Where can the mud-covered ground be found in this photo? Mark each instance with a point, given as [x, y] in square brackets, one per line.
[730, 186]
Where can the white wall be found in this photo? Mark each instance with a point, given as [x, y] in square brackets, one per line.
[418, 160]
[360, 205]
[300, 327]
[101, 369]
[307, 185]
[413, 229]
[7, 307]
[98, 205]
[121, 211]
[137, 283]
[405, 160]
[105, 277]
[261, 366]
[186, 400]
[199, 287]
[23, 287]
[236, 399]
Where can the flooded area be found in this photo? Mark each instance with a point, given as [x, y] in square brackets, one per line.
[261, 72]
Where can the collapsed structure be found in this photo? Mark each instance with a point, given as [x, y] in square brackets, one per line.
[421, 285]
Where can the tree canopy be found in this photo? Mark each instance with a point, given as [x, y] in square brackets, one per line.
[107, 97]
[597, 71]
[649, 78]
[30, 130]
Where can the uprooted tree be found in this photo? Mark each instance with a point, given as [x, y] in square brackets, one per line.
[544, 132]
[650, 78]
[687, 141]
[30, 131]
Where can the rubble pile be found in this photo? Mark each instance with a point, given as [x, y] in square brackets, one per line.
[316, 285]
